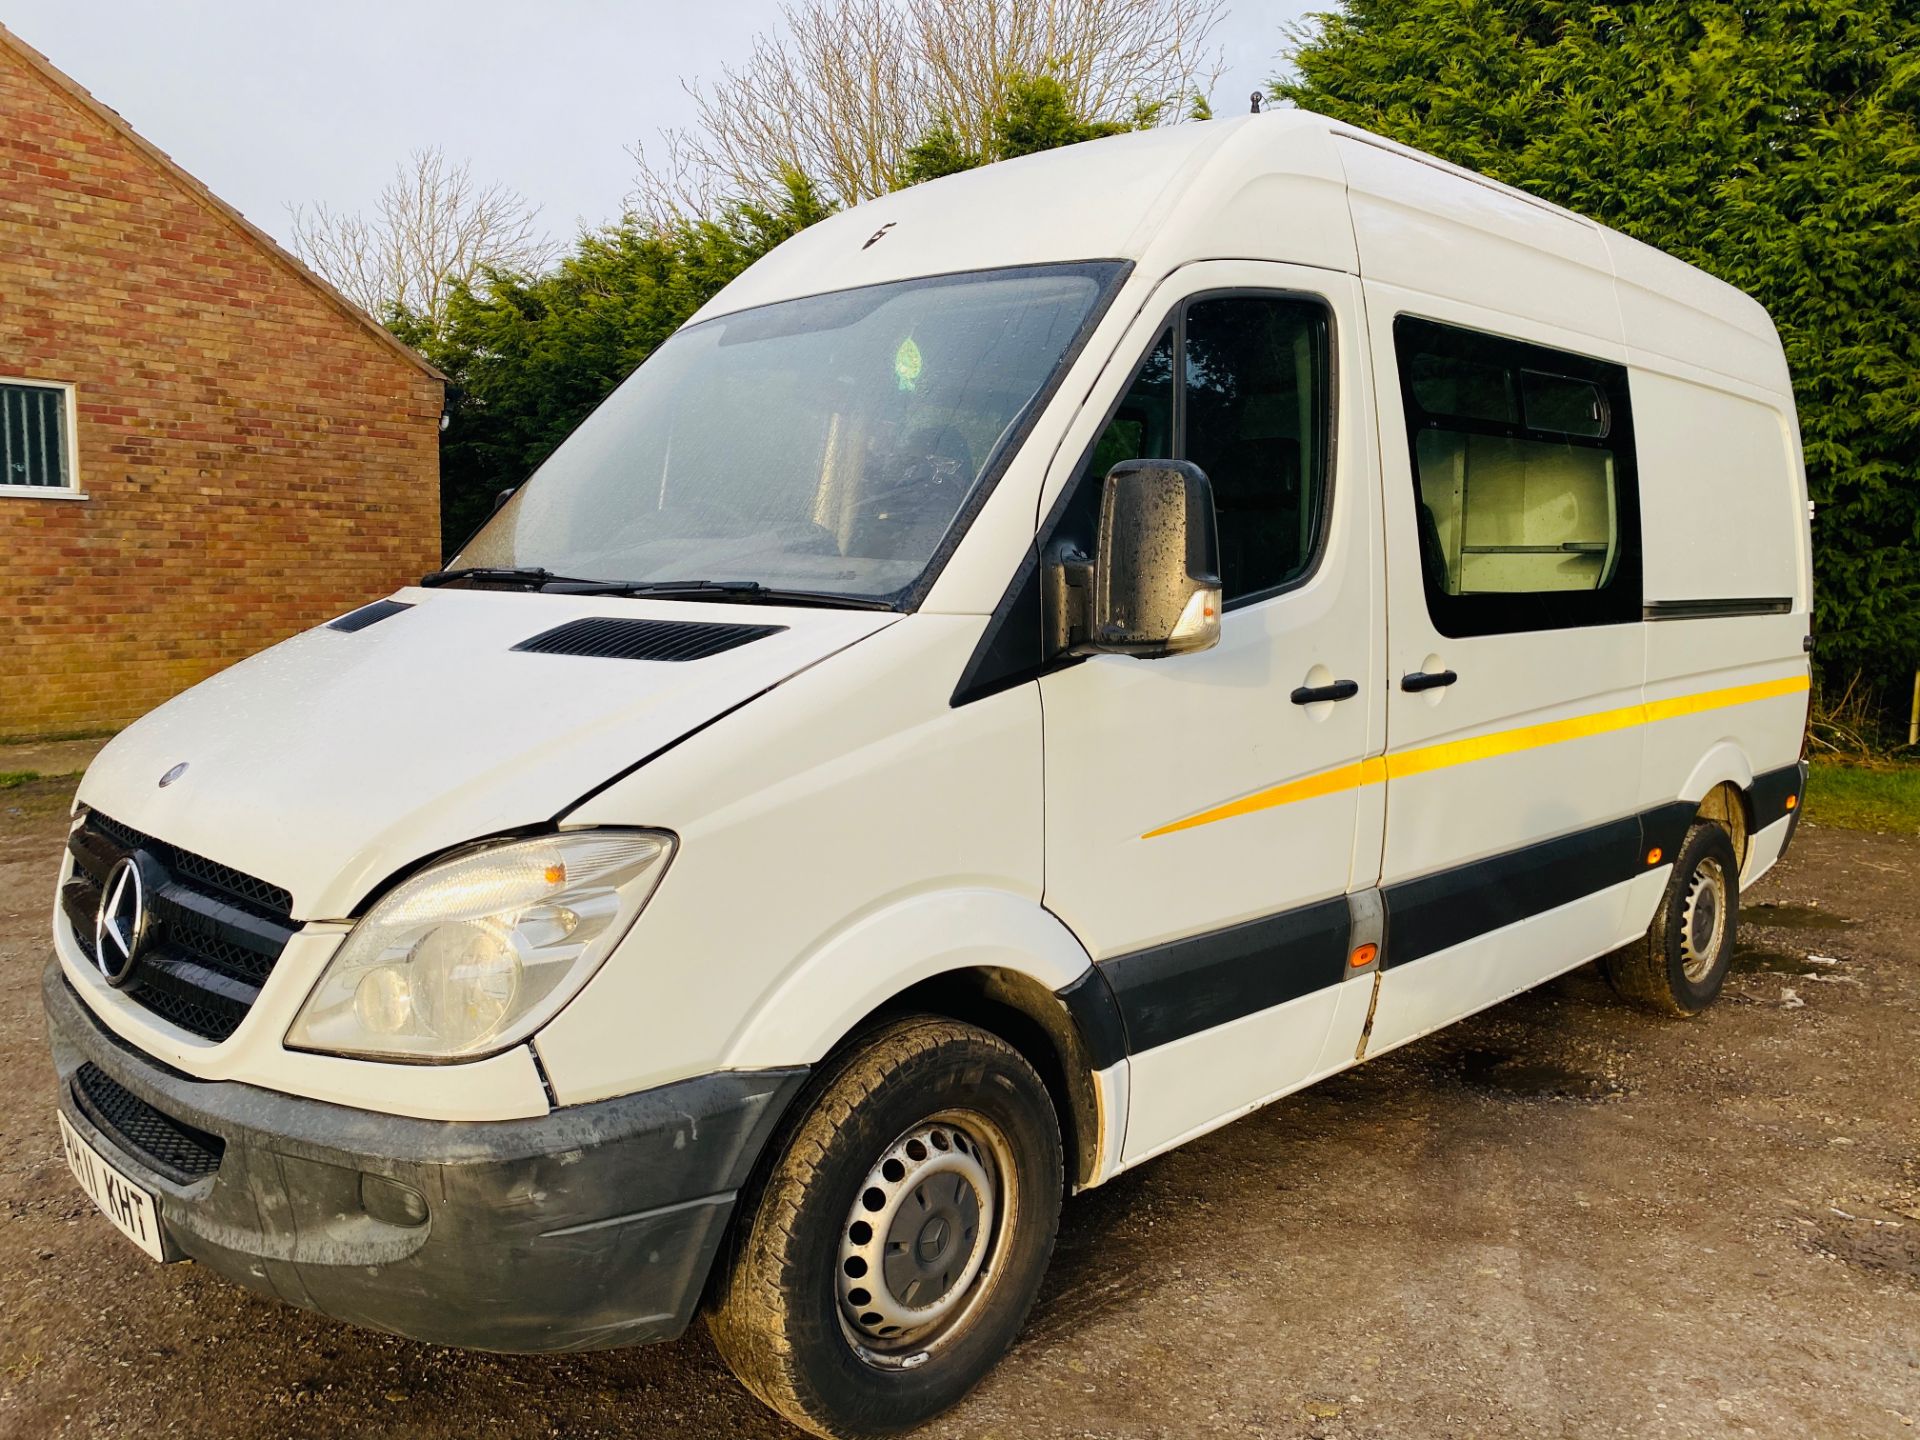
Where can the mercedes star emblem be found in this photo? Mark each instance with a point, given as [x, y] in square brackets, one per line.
[120, 925]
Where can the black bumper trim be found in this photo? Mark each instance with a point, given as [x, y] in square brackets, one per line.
[590, 1227]
[1778, 793]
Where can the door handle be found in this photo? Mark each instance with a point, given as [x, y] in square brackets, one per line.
[1314, 694]
[1427, 680]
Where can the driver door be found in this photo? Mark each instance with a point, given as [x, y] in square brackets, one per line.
[1207, 814]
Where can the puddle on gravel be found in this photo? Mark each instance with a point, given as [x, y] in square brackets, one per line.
[1531, 1079]
[1793, 917]
[1752, 960]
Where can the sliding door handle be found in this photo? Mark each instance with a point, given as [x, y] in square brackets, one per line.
[1427, 680]
[1314, 694]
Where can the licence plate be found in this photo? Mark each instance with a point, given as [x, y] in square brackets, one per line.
[134, 1211]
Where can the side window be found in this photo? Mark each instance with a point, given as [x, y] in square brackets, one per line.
[1255, 376]
[1238, 385]
[1142, 428]
[1526, 506]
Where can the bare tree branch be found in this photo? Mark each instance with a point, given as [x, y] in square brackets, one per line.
[845, 87]
[432, 228]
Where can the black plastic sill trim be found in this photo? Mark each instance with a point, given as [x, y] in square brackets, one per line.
[1170, 991]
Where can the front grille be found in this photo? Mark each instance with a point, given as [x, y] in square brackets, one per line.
[231, 884]
[166, 1146]
[214, 932]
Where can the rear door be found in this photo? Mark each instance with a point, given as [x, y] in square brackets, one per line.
[1204, 812]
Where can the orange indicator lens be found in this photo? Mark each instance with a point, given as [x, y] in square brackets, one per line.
[1792, 801]
[1653, 855]
[555, 874]
[1363, 955]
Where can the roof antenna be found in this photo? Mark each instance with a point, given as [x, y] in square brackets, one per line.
[1256, 102]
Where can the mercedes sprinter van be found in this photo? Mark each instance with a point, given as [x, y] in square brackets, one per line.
[1044, 663]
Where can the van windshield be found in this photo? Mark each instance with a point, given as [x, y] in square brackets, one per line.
[827, 445]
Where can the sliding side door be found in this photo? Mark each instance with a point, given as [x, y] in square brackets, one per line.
[1515, 663]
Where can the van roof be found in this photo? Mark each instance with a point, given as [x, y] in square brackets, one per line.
[1222, 189]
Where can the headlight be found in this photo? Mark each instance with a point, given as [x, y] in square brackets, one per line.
[474, 954]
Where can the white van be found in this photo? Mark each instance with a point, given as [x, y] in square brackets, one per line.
[1043, 664]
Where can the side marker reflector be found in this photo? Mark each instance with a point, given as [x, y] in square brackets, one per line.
[1792, 801]
[1363, 955]
[1653, 855]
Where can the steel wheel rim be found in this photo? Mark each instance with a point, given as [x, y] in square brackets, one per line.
[919, 1244]
[1703, 921]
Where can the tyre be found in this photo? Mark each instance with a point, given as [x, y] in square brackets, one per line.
[899, 1237]
[1678, 967]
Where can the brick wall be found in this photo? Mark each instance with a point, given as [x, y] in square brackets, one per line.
[255, 460]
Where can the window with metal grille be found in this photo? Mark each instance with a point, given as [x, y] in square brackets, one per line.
[35, 438]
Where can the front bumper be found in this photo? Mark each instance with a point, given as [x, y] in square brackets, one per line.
[590, 1227]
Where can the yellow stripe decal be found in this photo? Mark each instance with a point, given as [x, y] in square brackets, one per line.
[1328, 782]
[1418, 761]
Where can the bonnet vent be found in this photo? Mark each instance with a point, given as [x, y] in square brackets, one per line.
[644, 639]
[368, 615]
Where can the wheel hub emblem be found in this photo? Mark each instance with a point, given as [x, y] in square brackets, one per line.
[120, 924]
[918, 1237]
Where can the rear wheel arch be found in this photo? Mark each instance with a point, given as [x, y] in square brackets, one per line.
[1721, 788]
[1730, 806]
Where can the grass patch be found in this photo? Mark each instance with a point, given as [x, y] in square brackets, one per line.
[54, 736]
[1865, 796]
[10, 779]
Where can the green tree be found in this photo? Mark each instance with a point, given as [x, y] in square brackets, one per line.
[1772, 144]
[1038, 115]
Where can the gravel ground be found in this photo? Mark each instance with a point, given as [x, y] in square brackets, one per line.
[1560, 1218]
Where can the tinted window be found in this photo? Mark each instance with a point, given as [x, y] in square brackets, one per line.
[1142, 428]
[1240, 387]
[1530, 499]
[1256, 406]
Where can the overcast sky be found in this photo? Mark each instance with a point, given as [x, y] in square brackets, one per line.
[272, 102]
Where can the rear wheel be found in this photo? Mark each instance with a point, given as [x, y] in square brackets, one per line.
[897, 1244]
[1679, 965]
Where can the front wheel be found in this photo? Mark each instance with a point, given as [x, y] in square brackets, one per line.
[898, 1242]
[1678, 967]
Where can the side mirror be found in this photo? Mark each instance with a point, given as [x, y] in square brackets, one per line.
[1156, 570]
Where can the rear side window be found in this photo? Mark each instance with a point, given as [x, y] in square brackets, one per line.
[1524, 483]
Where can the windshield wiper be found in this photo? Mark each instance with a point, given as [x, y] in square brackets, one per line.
[748, 591]
[492, 575]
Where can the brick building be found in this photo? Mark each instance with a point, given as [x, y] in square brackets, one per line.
[204, 448]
